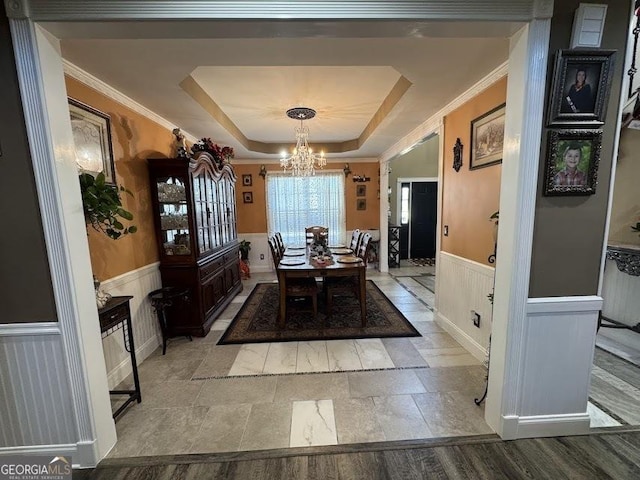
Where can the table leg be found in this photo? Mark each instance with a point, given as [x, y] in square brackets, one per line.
[282, 279]
[134, 363]
[363, 296]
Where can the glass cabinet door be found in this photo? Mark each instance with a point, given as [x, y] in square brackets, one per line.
[174, 219]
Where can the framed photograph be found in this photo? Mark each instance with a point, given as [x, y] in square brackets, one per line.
[247, 197]
[581, 84]
[487, 138]
[361, 204]
[92, 139]
[361, 190]
[247, 180]
[572, 162]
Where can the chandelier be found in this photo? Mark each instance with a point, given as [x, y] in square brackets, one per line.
[302, 161]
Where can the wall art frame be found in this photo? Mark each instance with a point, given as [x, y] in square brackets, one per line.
[361, 204]
[572, 162]
[580, 88]
[361, 190]
[247, 180]
[91, 130]
[247, 197]
[487, 138]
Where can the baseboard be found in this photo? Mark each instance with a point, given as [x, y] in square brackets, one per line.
[124, 369]
[474, 348]
[514, 426]
[83, 454]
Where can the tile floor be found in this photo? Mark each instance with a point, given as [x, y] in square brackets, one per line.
[205, 398]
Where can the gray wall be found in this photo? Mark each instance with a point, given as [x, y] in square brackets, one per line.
[26, 294]
[569, 231]
[422, 161]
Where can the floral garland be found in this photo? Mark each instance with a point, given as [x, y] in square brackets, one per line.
[220, 154]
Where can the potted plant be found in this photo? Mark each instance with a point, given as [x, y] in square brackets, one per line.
[245, 246]
[103, 207]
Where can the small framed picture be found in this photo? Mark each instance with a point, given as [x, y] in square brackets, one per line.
[247, 181]
[487, 138]
[361, 190]
[91, 130]
[361, 204]
[581, 84]
[572, 162]
[247, 197]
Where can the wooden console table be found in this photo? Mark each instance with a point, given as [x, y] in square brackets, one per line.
[116, 315]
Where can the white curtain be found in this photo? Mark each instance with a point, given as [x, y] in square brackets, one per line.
[294, 203]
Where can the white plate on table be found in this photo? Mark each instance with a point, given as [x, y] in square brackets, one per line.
[293, 254]
[341, 251]
[336, 246]
[349, 260]
[291, 262]
[296, 248]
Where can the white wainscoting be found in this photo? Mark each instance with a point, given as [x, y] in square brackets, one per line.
[621, 295]
[146, 330]
[557, 347]
[35, 399]
[463, 285]
[259, 246]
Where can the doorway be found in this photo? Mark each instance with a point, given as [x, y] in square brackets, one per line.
[417, 211]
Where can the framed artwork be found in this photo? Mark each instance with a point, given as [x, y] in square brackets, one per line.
[247, 197]
[247, 180]
[361, 204]
[487, 138]
[581, 84]
[92, 140]
[572, 162]
[361, 190]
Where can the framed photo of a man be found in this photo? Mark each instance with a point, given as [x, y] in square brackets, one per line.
[572, 162]
[581, 84]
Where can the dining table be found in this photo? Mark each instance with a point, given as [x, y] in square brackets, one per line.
[298, 263]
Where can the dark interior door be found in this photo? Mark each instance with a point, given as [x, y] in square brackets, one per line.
[424, 208]
[403, 221]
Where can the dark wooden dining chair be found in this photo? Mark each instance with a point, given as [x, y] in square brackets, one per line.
[314, 232]
[349, 285]
[296, 287]
[278, 238]
[355, 240]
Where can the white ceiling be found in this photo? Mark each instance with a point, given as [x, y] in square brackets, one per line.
[255, 71]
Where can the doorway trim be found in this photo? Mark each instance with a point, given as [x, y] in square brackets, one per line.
[411, 180]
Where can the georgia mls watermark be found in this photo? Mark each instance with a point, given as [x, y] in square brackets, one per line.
[35, 467]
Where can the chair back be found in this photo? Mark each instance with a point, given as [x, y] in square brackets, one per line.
[279, 243]
[363, 248]
[355, 240]
[315, 232]
[275, 253]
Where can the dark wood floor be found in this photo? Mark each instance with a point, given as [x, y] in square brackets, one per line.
[606, 454]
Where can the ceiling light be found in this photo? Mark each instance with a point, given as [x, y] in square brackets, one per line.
[302, 161]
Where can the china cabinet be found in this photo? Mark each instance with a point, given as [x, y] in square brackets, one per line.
[194, 212]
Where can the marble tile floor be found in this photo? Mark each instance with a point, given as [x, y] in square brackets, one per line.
[265, 396]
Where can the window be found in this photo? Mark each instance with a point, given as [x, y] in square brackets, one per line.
[404, 204]
[294, 203]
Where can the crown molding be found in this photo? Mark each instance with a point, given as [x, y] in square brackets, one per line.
[107, 90]
[432, 124]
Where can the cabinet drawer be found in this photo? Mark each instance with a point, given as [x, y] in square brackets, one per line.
[110, 318]
[211, 267]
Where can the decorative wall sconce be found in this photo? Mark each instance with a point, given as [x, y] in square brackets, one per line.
[361, 178]
[263, 171]
[346, 170]
[457, 155]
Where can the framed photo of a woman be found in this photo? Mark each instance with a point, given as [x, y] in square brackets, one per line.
[580, 90]
[572, 162]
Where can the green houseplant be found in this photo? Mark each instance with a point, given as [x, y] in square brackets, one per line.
[245, 246]
[102, 206]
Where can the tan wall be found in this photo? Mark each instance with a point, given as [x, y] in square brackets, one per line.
[470, 196]
[625, 210]
[252, 217]
[134, 139]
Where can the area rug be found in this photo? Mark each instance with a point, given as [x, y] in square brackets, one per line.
[422, 262]
[256, 321]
